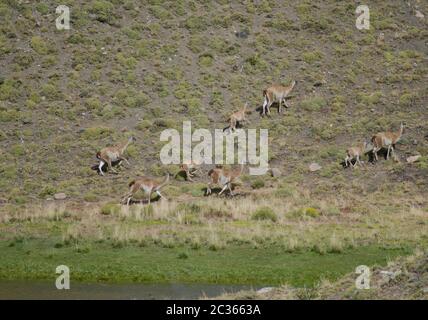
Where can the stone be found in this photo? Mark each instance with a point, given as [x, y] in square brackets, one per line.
[243, 34]
[60, 196]
[419, 14]
[314, 167]
[265, 290]
[275, 172]
[412, 159]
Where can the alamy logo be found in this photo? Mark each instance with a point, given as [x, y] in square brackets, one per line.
[242, 141]
[63, 21]
[363, 20]
[363, 280]
[63, 280]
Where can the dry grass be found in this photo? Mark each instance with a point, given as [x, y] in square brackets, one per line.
[301, 221]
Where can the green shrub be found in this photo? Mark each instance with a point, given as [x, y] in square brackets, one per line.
[306, 212]
[196, 24]
[39, 45]
[103, 11]
[313, 104]
[264, 213]
[144, 125]
[406, 100]
[110, 209]
[206, 60]
[257, 184]
[94, 133]
[90, 197]
[312, 56]
[192, 208]
[47, 191]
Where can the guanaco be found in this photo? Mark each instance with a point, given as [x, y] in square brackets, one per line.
[355, 153]
[237, 117]
[148, 185]
[276, 93]
[190, 169]
[386, 140]
[224, 178]
[111, 154]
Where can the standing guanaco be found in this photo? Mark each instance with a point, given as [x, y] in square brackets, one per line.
[111, 154]
[148, 185]
[386, 140]
[236, 118]
[355, 153]
[224, 178]
[276, 93]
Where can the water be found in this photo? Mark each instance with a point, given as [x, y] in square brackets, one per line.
[37, 290]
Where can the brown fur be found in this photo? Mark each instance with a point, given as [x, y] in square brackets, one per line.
[355, 152]
[224, 178]
[238, 116]
[386, 139]
[276, 93]
[111, 154]
[190, 169]
[148, 185]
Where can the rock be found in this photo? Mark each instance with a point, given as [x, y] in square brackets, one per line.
[419, 14]
[389, 275]
[425, 290]
[412, 159]
[265, 290]
[243, 34]
[380, 39]
[314, 167]
[60, 196]
[415, 142]
[275, 172]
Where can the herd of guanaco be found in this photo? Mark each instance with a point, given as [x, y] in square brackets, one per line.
[381, 140]
[226, 177]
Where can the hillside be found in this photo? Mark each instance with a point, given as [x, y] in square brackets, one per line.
[130, 67]
[134, 68]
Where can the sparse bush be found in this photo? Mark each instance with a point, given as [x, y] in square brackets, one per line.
[96, 133]
[264, 213]
[313, 104]
[258, 183]
[312, 56]
[103, 11]
[39, 45]
[110, 209]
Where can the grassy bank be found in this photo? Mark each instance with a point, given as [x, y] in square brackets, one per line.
[37, 259]
[407, 279]
[256, 238]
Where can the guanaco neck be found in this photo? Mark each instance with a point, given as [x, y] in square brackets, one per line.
[400, 131]
[125, 145]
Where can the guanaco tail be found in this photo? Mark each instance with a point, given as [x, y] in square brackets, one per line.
[148, 185]
[386, 140]
[355, 153]
[111, 154]
[237, 118]
[224, 178]
[276, 93]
